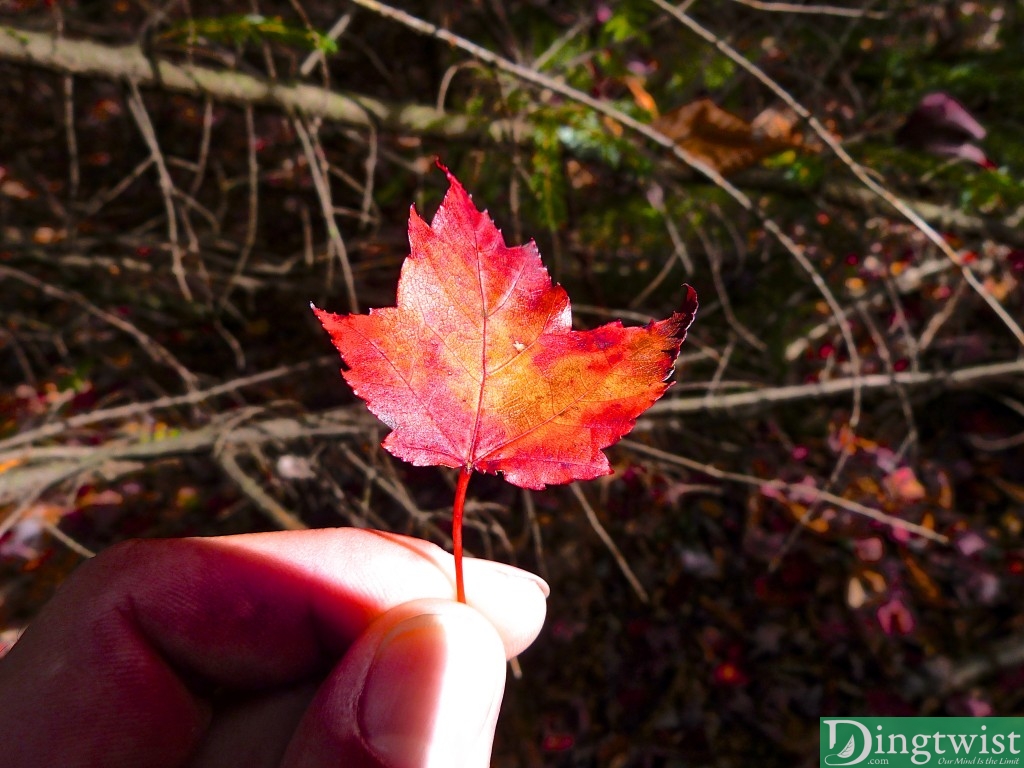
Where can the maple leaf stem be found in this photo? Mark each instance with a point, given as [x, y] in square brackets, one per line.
[460, 503]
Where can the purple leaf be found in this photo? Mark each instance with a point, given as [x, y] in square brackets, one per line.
[941, 125]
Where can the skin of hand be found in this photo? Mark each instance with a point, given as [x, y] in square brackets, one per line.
[337, 647]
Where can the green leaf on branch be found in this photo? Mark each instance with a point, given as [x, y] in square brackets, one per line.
[241, 29]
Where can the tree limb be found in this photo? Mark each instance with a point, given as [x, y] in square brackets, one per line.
[773, 396]
[86, 58]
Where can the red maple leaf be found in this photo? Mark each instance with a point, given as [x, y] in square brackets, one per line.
[478, 367]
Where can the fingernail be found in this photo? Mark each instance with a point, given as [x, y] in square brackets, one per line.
[432, 693]
[516, 573]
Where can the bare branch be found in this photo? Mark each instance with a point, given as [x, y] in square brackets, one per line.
[814, 10]
[773, 396]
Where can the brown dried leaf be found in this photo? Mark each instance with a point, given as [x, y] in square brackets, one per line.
[724, 141]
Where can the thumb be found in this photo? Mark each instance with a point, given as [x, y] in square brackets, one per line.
[421, 688]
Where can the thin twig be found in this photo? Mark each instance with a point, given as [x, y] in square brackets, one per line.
[138, 110]
[655, 197]
[204, 148]
[609, 543]
[284, 519]
[252, 220]
[318, 167]
[715, 261]
[538, 543]
[337, 30]
[74, 170]
[100, 199]
[940, 318]
[814, 10]
[67, 541]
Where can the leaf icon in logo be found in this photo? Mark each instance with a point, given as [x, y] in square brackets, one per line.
[848, 749]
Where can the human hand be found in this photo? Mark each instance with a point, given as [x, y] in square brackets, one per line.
[300, 648]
